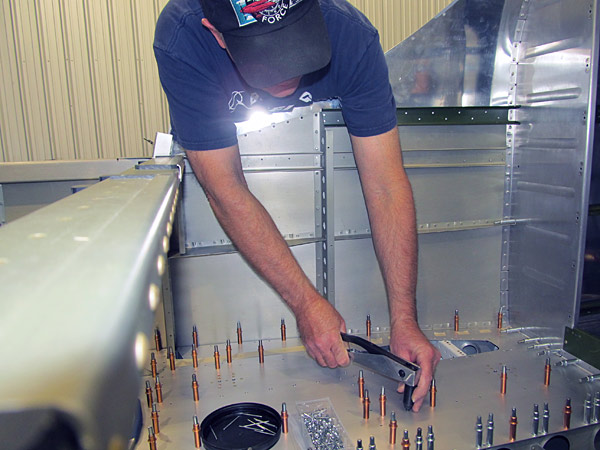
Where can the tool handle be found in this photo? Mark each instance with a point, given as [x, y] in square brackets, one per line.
[377, 350]
[407, 399]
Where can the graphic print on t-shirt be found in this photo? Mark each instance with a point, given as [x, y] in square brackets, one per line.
[246, 100]
[242, 98]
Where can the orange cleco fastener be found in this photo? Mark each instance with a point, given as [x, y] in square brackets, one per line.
[512, 435]
[195, 336]
[366, 405]
[456, 320]
[547, 369]
[194, 357]
[361, 385]
[228, 351]
[151, 438]
[158, 387]
[171, 356]
[432, 394]
[157, 340]
[283, 333]
[196, 430]
[382, 402]
[195, 388]
[567, 415]
[239, 333]
[284, 418]
[261, 352]
[217, 358]
[155, 423]
[503, 378]
[153, 365]
[149, 394]
[368, 325]
[500, 318]
[393, 428]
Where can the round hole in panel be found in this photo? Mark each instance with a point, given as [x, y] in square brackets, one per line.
[165, 244]
[557, 443]
[470, 349]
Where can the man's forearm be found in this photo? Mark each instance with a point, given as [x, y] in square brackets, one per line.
[392, 217]
[390, 205]
[256, 236]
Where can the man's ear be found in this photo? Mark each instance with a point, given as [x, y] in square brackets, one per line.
[216, 33]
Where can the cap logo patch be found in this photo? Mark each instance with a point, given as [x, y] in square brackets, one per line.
[270, 11]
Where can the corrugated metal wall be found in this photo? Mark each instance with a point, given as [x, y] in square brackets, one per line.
[79, 79]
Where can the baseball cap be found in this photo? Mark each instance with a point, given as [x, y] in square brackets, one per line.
[271, 41]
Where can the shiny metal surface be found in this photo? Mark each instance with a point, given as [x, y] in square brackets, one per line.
[79, 283]
[554, 52]
[542, 57]
[467, 387]
[457, 173]
[501, 220]
[231, 293]
[32, 185]
[451, 60]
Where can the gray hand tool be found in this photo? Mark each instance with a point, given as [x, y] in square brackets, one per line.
[385, 363]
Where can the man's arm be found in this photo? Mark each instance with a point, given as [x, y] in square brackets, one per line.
[254, 233]
[391, 210]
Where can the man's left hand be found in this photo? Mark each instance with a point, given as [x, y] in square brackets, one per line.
[409, 343]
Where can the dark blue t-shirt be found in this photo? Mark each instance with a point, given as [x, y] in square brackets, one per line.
[207, 95]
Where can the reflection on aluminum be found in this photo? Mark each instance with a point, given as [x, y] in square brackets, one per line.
[459, 348]
[451, 60]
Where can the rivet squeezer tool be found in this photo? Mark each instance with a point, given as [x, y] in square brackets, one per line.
[385, 363]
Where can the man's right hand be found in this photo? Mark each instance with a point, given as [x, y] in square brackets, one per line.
[320, 326]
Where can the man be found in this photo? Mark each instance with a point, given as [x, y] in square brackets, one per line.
[220, 59]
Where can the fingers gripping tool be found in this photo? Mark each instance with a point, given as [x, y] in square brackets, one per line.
[385, 363]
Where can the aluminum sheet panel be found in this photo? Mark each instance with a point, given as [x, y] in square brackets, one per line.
[457, 270]
[222, 289]
[555, 80]
[467, 387]
[441, 195]
[79, 283]
[449, 61]
[275, 190]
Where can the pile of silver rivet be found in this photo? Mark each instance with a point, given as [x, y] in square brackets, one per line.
[323, 430]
